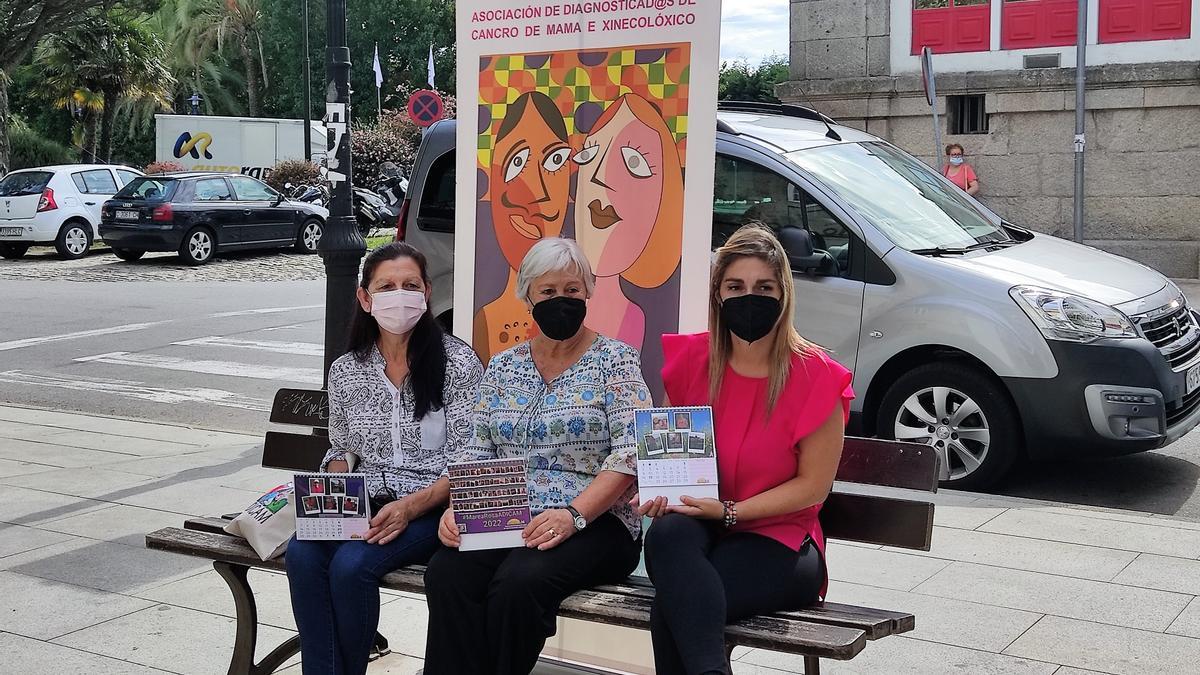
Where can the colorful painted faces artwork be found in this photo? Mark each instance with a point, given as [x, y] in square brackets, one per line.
[530, 181]
[530, 176]
[629, 211]
[590, 145]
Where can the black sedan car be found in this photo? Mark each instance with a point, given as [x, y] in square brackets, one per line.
[200, 214]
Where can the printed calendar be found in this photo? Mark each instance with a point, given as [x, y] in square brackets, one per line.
[332, 506]
[490, 499]
[677, 453]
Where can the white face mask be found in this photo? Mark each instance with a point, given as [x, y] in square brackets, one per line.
[956, 160]
[398, 311]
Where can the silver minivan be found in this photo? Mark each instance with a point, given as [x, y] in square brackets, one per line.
[983, 339]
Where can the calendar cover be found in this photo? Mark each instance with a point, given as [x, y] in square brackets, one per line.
[332, 506]
[490, 499]
[677, 453]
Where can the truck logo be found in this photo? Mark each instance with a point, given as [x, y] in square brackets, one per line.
[194, 145]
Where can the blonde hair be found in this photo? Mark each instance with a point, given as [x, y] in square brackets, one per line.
[757, 241]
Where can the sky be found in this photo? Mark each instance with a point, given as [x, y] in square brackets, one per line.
[753, 29]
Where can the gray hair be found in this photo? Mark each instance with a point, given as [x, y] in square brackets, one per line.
[554, 254]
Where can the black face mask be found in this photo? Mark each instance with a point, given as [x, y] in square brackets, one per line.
[560, 318]
[750, 316]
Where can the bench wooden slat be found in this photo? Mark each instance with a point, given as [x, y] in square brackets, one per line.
[303, 407]
[878, 520]
[896, 464]
[294, 452]
[210, 525]
[875, 623]
[777, 633]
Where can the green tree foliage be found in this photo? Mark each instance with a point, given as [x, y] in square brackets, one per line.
[197, 65]
[237, 25]
[23, 23]
[404, 30]
[29, 149]
[115, 55]
[739, 81]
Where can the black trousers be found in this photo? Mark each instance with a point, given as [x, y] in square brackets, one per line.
[703, 581]
[490, 612]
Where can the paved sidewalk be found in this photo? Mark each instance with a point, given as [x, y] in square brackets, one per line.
[1011, 586]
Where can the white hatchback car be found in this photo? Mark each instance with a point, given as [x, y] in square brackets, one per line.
[57, 205]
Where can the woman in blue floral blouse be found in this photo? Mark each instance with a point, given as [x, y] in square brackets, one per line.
[564, 401]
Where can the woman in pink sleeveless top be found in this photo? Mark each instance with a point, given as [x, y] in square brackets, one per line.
[780, 406]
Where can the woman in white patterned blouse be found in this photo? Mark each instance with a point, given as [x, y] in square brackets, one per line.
[564, 402]
[400, 403]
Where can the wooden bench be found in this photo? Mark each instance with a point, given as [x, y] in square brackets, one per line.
[826, 630]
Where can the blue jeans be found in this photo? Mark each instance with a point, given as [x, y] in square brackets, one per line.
[335, 593]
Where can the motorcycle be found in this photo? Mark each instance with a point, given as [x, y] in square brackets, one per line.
[370, 210]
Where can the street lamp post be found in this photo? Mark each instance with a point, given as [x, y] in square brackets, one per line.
[341, 247]
[307, 90]
[195, 99]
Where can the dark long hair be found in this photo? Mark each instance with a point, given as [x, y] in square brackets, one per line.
[426, 348]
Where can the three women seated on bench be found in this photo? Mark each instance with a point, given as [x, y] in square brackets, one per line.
[780, 405]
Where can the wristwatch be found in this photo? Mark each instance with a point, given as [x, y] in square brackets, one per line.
[580, 521]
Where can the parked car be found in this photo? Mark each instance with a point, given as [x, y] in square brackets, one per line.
[983, 339]
[202, 214]
[58, 205]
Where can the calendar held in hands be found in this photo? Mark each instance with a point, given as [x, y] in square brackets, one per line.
[677, 453]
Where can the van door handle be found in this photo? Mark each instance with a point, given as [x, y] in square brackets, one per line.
[247, 212]
[90, 203]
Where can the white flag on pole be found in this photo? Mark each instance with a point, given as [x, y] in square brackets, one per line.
[378, 69]
[431, 86]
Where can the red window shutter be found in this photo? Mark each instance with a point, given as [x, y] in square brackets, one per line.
[949, 30]
[1037, 23]
[1142, 20]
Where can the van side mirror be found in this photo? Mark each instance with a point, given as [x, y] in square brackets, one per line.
[802, 256]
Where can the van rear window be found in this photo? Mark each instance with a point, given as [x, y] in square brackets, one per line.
[22, 183]
[436, 212]
[149, 188]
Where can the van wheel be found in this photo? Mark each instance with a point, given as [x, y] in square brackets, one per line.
[13, 251]
[198, 246]
[963, 414]
[74, 240]
[309, 236]
[128, 254]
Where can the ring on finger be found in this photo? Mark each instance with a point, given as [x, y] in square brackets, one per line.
[553, 534]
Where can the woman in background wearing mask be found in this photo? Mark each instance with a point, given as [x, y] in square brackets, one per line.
[400, 403]
[779, 409]
[958, 171]
[564, 402]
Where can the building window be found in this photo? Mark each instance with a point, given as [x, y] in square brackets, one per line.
[967, 114]
[1138, 20]
[949, 26]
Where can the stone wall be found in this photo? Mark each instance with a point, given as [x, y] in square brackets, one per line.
[1142, 177]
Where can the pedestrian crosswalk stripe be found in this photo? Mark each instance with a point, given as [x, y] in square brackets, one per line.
[137, 390]
[299, 348]
[227, 368]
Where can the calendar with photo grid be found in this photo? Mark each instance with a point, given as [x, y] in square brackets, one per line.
[332, 506]
[490, 498]
[677, 453]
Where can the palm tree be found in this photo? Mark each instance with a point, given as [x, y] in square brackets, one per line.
[114, 55]
[241, 21]
[196, 62]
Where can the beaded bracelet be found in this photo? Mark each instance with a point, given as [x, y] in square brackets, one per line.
[729, 515]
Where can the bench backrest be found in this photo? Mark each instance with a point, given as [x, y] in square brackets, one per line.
[298, 451]
[847, 514]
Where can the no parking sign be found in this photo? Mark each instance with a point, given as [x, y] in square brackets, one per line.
[425, 107]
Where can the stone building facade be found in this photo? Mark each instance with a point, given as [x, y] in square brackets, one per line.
[856, 60]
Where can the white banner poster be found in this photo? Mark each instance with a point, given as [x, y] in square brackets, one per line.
[596, 121]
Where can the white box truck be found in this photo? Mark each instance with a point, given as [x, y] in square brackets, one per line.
[249, 145]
